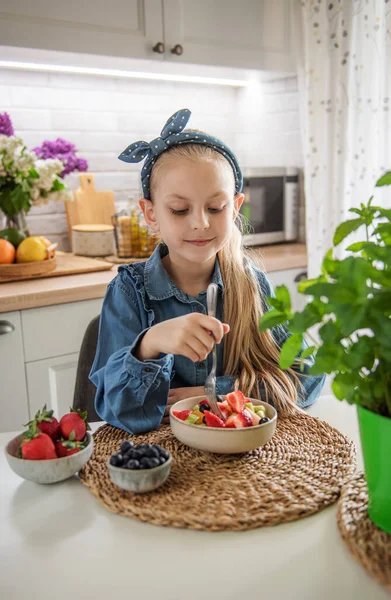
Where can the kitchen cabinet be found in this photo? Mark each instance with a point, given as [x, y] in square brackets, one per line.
[290, 278]
[52, 382]
[251, 33]
[119, 28]
[13, 389]
[39, 351]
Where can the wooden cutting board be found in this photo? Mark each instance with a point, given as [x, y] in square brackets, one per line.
[89, 206]
[69, 264]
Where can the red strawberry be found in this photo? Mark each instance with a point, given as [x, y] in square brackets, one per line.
[239, 420]
[66, 448]
[74, 426]
[213, 420]
[225, 410]
[48, 424]
[236, 400]
[203, 403]
[181, 414]
[37, 445]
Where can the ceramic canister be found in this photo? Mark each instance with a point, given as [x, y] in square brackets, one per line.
[93, 240]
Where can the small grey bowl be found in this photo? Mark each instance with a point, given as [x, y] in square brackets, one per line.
[140, 481]
[47, 471]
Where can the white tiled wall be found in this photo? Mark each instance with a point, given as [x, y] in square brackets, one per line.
[101, 116]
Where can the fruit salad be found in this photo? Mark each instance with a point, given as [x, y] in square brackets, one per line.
[238, 412]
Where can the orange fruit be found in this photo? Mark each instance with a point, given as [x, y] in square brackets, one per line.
[7, 252]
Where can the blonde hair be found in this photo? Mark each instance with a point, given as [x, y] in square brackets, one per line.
[249, 355]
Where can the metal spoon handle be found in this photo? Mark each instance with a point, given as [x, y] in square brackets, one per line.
[211, 299]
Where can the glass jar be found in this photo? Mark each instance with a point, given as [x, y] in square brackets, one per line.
[133, 237]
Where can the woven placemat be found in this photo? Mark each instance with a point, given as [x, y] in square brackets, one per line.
[369, 545]
[298, 472]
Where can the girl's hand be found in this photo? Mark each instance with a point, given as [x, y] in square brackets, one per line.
[177, 394]
[188, 336]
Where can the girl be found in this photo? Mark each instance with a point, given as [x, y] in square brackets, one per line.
[154, 336]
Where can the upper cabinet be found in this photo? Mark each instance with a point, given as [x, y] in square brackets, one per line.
[128, 28]
[251, 33]
[254, 34]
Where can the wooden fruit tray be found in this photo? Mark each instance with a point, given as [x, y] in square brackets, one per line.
[27, 270]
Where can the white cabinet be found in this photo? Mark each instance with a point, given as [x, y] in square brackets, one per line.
[39, 351]
[291, 278]
[115, 28]
[13, 392]
[52, 382]
[250, 33]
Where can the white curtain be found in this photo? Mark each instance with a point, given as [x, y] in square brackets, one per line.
[344, 52]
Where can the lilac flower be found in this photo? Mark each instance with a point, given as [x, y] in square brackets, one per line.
[6, 125]
[64, 151]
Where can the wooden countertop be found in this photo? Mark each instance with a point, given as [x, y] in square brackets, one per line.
[20, 295]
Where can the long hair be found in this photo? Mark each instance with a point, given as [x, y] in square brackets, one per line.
[249, 355]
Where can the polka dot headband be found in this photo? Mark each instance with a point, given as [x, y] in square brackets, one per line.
[173, 134]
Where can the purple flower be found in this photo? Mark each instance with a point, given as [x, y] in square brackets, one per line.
[64, 151]
[6, 125]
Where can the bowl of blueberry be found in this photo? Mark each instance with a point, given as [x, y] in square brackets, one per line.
[141, 468]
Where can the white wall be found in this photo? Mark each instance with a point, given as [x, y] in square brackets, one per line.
[103, 115]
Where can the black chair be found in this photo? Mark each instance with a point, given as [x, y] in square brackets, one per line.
[85, 390]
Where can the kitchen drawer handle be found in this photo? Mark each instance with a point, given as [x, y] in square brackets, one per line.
[300, 276]
[159, 48]
[6, 327]
[177, 49]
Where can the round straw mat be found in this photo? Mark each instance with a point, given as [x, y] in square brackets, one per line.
[369, 545]
[297, 473]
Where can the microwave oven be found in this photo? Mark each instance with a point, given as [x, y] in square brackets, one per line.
[271, 205]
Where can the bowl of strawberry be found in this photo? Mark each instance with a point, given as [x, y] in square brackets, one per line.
[50, 450]
[246, 423]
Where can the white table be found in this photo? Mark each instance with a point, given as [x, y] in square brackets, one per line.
[57, 542]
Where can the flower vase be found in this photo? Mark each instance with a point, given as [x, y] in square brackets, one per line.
[17, 221]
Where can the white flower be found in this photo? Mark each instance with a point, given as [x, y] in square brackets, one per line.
[10, 143]
[47, 171]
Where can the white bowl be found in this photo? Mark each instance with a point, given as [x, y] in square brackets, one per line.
[140, 481]
[47, 471]
[219, 440]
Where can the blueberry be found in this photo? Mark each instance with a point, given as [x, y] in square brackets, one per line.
[136, 454]
[204, 407]
[151, 453]
[145, 461]
[162, 459]
[264, 420]
[154, 462]
[143, 466]
[126, 446]
[132, 464]
[116, 460]
[143, 447]
[163, 452]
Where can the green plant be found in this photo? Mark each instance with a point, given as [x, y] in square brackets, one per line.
[351, 308]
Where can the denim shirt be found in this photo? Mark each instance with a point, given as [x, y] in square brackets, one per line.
[132, 394]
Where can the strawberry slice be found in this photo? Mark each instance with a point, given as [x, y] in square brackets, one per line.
[181, 414]
[213, 420]
[225, 410]
[236, 400]
[240, 420]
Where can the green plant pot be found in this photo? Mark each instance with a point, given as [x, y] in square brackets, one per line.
[375, 433]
